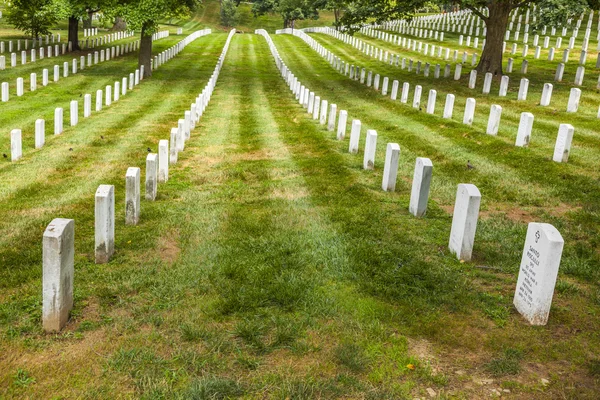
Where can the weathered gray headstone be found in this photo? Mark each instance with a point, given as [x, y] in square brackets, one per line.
[57, 273]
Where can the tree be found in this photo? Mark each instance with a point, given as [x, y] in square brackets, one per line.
[494, 13]
[290, 10]
[144, 15]
[34, 17]
[228, 12]
[338, 7]
[83, 9]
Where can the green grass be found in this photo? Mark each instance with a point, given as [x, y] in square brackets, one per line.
[271, 265]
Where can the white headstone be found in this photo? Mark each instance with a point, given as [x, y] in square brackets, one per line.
[104, 223]
[323, 116]
[132, 196]
[341, 127]
[370, 147]
[40, 133]
[332, 115]
[163, 161]
[417, 96]
[523, 88]
[464, 221]
[503, 85]
[449, 106]
[405, 90]
[538, 271]
[546, 94]
[390, 169]
[563, 143]
[524, 132]
[151, 176]
[494, 119]
[173, 153]
[574, 98]
[16, 145]
[354, 136]
[419, 194]
[469, 111]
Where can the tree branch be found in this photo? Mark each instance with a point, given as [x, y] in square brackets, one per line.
[476, 12]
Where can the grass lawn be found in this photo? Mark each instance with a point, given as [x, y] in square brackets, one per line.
[271, 264]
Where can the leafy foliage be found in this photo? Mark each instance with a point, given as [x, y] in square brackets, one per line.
[34, 17]
[228, 12]
[145, 14]
[290, 10]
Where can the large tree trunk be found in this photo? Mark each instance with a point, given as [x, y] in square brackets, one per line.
[87, 23]
[491, 58]
[119, 25]
[145, 56]
[74, 32]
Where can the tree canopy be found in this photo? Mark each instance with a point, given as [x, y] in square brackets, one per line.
[290, 10]
[34, 17]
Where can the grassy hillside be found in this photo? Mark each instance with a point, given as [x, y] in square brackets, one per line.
[271, 265]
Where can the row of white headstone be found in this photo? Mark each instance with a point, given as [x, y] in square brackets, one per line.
[119, 87]
[418, 46]
[34, 43]
[463, 19]
[91, 43]
[59, 237]
[110, 96]
[565, 133]
[98, 57]
[90, 32]
[104, 53]
[383, 56]
[543, 244]
[352, 71]
[171, 52]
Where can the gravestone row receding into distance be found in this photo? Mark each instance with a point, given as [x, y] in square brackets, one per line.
[59, 239]
[538, 293]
